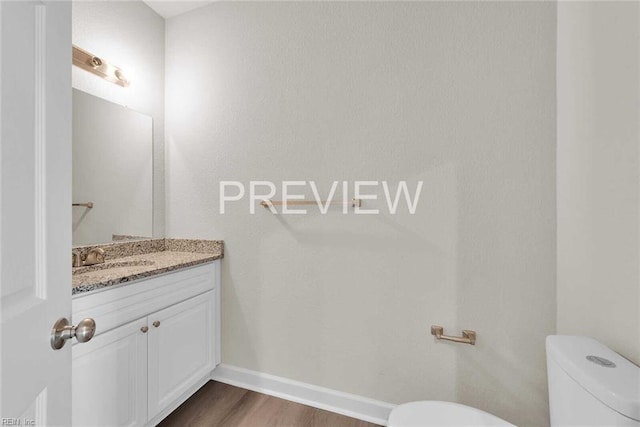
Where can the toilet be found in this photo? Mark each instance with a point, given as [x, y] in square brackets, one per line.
[589, 385]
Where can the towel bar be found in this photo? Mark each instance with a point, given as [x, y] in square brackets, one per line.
[468, 336]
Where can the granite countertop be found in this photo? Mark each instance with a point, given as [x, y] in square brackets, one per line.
[129, 261]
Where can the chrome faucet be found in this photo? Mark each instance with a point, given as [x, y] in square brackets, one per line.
[77, 258]
[94, 256]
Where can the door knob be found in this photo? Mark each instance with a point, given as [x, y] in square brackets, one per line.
[156, 323]
[62, 331]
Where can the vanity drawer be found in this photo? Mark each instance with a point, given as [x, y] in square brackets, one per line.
[111, 308]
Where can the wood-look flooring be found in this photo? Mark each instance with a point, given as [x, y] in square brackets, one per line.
[218, 404]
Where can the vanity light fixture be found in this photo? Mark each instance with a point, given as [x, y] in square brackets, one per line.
[99, 67]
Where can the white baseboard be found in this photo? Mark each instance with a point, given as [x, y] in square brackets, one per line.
[351, 405]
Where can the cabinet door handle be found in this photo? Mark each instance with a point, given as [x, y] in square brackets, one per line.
[156, 323]
[144, 329]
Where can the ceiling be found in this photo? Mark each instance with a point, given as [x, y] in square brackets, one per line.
[170, 8]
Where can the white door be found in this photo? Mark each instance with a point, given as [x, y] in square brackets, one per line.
[35, 210]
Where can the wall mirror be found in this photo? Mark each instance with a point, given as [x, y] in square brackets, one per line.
[112, 172]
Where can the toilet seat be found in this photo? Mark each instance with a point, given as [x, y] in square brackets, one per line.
[436, 413]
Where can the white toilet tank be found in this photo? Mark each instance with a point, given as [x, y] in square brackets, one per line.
[590, 384]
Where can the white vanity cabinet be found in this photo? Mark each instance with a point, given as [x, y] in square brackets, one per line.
[157, 341]
[180, 354]
[110, 378]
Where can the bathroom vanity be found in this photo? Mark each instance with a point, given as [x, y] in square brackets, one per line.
[157, 337]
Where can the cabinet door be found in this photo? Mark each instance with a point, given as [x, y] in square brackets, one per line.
[181, 349]
[110, 378]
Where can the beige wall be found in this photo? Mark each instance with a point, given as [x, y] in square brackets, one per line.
[599, 173]
[130, 35]
[460, 95]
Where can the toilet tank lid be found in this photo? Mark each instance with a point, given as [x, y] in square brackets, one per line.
[617, 387]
